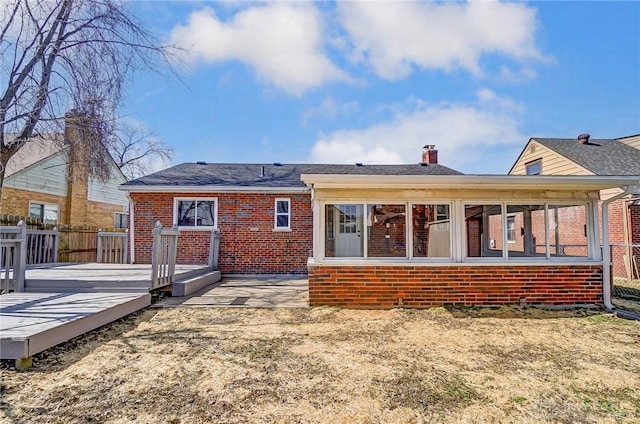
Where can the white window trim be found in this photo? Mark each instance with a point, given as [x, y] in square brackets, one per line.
[276, 214]
[44, 204]
[458, 234]
[592, 247]
[195, 227]
[321, 228]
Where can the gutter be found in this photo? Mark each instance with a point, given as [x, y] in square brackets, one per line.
[208, 189]
[606, 252]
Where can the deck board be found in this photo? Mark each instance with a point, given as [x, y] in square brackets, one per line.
[33, 322]
[56, 310]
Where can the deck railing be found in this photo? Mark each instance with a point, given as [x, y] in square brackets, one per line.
[214, 250]
[113, 248]
[13, 257]
[163, 255]
[42, 246]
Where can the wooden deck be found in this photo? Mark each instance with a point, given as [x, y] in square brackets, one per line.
[63, 301]
[78, 277]
[33, 322]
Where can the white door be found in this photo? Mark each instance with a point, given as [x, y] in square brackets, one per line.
[349, 230]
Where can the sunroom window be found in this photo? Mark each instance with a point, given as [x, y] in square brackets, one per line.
[568, 230]
[528, 233]
[386, 231]
[483, 229]
[431, 231]
[532, 231]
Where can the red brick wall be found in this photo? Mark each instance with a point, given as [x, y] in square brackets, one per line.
[426, 286]
[249, 245]
[634, 220]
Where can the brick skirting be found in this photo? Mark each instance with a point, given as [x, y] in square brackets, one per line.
[426, 286]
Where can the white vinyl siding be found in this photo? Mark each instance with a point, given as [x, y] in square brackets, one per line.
[108, 192]
[48, 176]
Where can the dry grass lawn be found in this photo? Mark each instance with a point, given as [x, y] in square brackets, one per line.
[336, 366]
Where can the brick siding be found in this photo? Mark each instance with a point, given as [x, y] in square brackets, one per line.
[93, 214]
[249, 244]
[16, 202]
[427, 286]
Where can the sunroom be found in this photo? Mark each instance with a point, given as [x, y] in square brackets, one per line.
[384, 241]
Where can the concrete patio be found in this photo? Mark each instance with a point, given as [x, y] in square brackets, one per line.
[247, 292]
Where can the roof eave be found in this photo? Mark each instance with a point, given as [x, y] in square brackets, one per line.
[208, 188]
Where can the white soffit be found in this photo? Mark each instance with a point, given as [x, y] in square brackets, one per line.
[495, 182]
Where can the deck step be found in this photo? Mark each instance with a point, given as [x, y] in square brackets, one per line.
[185, 287]
[77, 286]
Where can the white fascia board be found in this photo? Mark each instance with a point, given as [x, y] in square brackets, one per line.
[209, 188]
[495, 182]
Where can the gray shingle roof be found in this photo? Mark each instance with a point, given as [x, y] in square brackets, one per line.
[600, 156]
[285, 175]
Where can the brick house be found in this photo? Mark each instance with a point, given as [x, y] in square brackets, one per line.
[262, 210]
[46, 179]
[586, 156]
[379, 236]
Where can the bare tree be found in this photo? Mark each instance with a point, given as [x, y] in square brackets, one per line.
[138, 152]
[63, 55]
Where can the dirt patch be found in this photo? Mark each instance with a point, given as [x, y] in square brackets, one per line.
[187, 365]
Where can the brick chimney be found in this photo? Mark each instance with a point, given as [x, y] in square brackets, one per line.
[79, 158]
[429, 154]
[584, 138]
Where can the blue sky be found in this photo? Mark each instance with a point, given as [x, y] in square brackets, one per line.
[373, 82]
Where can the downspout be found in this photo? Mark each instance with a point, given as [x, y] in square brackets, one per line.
[606, 253]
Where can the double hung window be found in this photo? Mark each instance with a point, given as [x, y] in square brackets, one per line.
[282, 215]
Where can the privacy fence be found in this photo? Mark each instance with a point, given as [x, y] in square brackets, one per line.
[77, 244]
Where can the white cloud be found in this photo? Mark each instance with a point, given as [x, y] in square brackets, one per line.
[521, 75]
[281, 42]
[465, 135]
[396, 37]
[330, 108]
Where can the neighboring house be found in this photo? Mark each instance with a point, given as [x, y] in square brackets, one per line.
[381, 235]
[42, 182]
[586, 156]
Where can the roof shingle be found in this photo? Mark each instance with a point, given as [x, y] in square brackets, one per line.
[271, 175]
[600, 156]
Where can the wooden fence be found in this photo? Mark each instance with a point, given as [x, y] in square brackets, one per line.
[75, 243]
